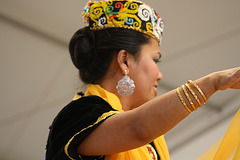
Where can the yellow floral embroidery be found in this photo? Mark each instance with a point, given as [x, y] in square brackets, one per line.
[129, 14]
[149, 27]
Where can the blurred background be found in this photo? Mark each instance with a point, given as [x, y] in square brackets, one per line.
[38, 79]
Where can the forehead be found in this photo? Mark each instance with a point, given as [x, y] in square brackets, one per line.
[151, 48]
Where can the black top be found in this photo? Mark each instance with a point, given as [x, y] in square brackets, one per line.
[73, 124]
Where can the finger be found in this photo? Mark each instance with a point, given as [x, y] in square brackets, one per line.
[235, 86]
[236, 77]
[237, 74]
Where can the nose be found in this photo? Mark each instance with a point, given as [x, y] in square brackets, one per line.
[159, 76]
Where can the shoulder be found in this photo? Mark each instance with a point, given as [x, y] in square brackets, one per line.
[74, 122]
[84, 109]
[84, 105]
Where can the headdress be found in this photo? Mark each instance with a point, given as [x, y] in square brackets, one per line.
[131, 14]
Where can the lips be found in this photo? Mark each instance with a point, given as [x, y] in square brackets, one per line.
[155, 89]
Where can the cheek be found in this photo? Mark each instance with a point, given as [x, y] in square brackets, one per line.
[151, 70]
[146, 74]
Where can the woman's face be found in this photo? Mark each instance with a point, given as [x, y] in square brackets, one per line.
[145, 73]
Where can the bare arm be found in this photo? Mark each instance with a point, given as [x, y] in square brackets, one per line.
[135, 128]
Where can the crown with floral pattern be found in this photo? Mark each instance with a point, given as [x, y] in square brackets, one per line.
[131, 14]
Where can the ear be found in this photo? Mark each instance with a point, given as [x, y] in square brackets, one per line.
[122, 58]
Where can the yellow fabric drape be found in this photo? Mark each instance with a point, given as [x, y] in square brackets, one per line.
[228, 147]
[135, 154]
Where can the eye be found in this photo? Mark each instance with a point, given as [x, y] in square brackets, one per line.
[156, 60]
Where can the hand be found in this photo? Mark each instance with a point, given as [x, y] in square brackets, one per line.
[225, 79]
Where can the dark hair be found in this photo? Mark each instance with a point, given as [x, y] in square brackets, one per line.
[92, 51]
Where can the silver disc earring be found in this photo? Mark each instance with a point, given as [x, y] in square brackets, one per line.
[125, 86]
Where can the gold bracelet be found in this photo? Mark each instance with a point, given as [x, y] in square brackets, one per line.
[188, 97]
[182, 100]
[199, 90]
[194, 95]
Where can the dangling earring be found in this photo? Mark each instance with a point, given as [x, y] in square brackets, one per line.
[125, 86]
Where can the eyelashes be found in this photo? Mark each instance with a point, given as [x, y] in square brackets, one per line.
[157, 60]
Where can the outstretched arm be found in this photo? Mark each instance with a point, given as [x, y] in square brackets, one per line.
[135, 128]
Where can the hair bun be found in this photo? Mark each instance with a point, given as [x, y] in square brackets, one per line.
[81, 48]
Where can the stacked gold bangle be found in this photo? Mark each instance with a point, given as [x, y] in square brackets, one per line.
[184, 88]
[199, 90]
[182, 100]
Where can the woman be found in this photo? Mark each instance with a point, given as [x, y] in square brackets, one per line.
[119, 116]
